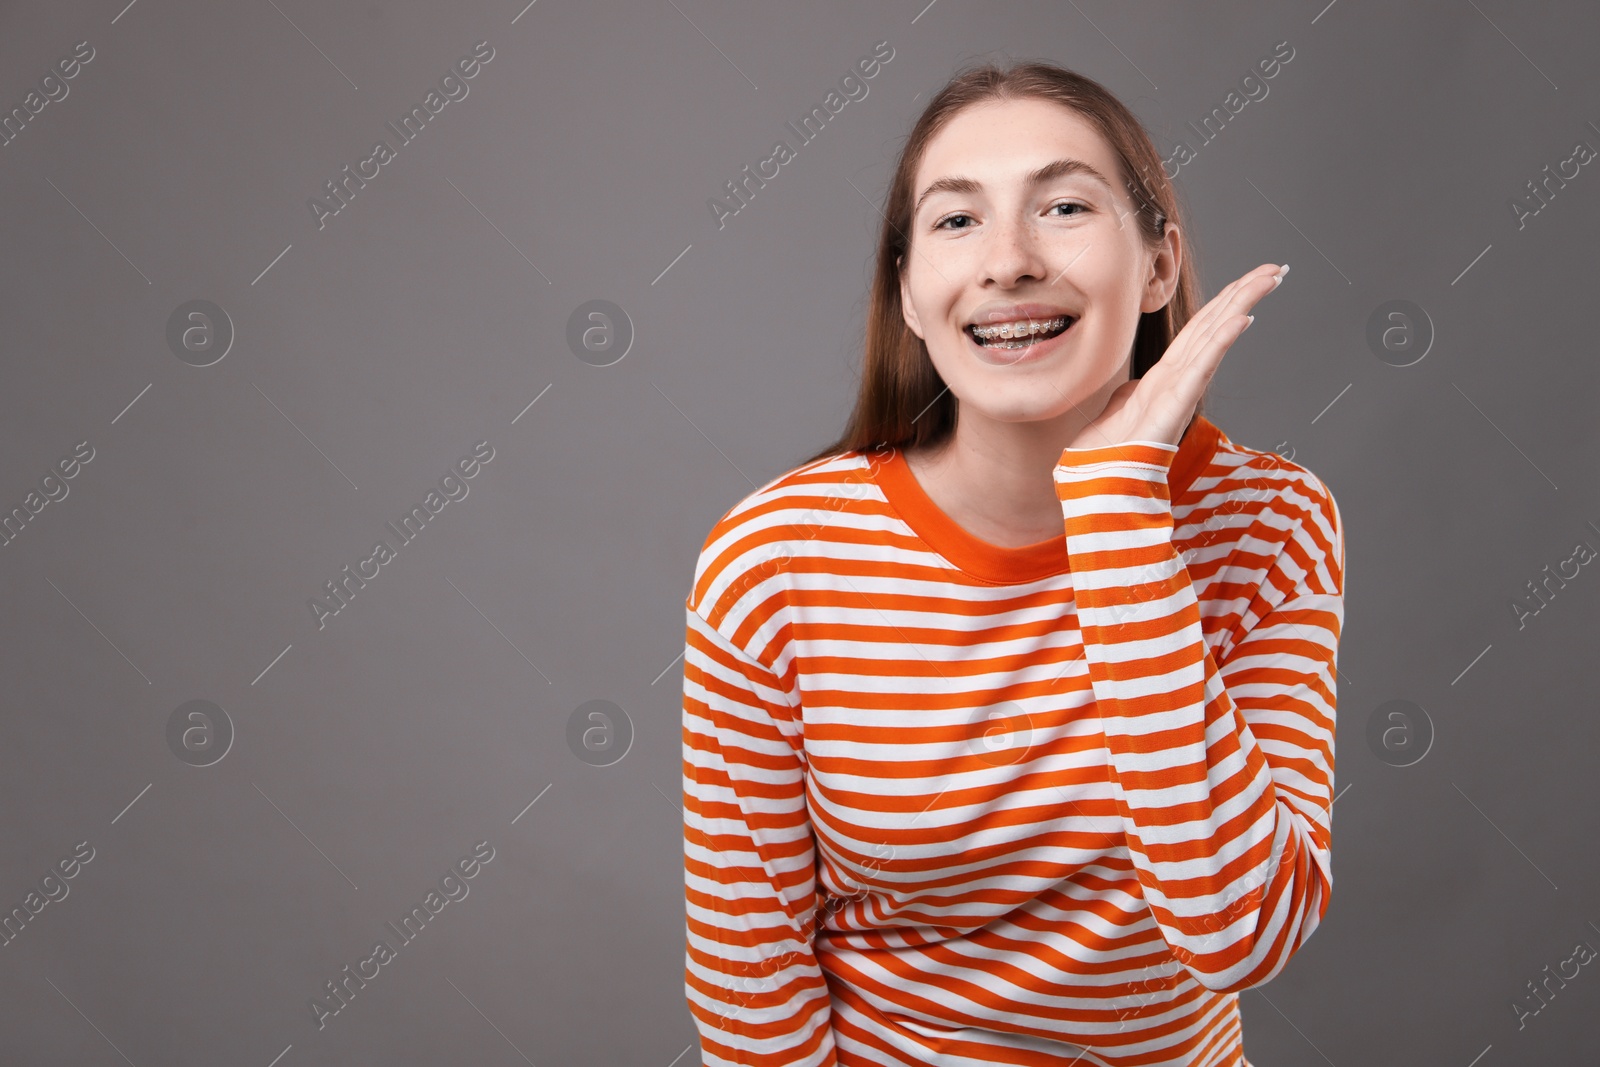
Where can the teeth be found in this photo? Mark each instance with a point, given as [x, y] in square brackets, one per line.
[1018, 329]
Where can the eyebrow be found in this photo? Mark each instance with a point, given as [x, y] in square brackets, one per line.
[1059, 168]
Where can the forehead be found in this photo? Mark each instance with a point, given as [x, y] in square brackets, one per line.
[998, 142]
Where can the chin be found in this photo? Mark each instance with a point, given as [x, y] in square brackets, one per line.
[1027, 406]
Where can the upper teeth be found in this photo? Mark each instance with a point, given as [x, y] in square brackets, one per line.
[1020, 328]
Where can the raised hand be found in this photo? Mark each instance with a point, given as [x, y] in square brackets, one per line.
[1158, 406]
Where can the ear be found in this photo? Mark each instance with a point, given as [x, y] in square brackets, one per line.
[907, 311]
[1162, 281]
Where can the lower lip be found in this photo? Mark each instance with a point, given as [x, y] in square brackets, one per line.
[1011, 357]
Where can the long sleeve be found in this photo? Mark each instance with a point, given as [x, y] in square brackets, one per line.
[1224, 771]
[752, 979]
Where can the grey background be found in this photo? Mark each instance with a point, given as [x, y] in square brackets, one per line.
[432, 311]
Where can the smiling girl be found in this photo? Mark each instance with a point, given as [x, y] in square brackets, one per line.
[1008, 718]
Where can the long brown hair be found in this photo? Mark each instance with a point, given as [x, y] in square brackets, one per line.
[902, 401]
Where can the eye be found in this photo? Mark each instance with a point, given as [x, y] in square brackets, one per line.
[1081, 209]
[958, 215]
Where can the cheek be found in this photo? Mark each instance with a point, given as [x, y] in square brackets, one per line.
[933, 301]
[1110, 277]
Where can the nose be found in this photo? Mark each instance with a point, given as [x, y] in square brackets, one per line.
[1013, 252]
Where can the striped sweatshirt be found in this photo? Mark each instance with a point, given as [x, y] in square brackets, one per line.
[956, 804]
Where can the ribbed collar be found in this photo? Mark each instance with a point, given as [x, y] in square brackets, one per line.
[998, 563]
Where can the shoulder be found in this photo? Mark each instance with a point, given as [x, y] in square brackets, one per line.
[1265, 503]
[752, 541]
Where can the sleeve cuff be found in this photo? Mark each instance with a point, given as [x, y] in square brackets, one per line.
[1127, 453]
[1137, 468]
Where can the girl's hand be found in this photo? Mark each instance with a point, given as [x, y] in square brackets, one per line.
[1158, 406]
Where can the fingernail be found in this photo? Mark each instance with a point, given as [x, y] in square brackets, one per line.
[1282, 271]
[1250, 323]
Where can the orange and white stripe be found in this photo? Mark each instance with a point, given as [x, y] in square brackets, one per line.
[950, 803]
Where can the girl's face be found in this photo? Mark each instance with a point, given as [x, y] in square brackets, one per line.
[1014, 225]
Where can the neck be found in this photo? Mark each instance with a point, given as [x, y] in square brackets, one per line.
[994, 478]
